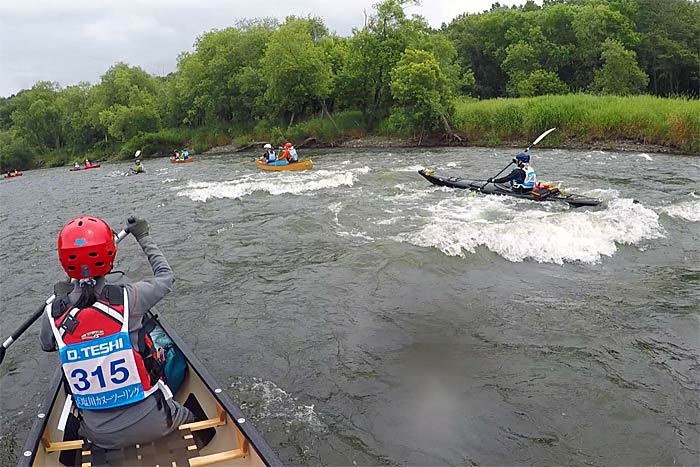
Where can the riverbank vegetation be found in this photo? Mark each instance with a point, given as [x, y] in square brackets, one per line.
[600, 70]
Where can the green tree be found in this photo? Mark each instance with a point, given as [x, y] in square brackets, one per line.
[620, 73]
[423, 98]
[15, 153]
[373, 52]
[669, 50]
[122, 86]
[297, 70]
[539, 83]
[222, 79]
[37, 117]
[593, 24]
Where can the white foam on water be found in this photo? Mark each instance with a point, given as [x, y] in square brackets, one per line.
[389, 221]
[335, 208]
[275, 184]
[687, 210]
[645, 156]
[170, 180]
[277, 403]
[410, 168]
[546, 234]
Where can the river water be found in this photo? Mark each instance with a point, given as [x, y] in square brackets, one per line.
[361, 316]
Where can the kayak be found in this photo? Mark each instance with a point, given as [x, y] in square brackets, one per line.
[222, 435]
[539, 194]
[181, 161]
[301, 165]
[18, 174]
[96, 166]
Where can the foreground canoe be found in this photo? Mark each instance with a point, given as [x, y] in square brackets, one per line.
[181, 161]
[543, 194]
[301, 165]
[18, 174]
[232, 439]
[96, 166]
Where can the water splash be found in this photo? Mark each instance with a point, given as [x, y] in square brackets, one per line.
[274, 184]
[550, 235]
[687, 210]
[264, 400]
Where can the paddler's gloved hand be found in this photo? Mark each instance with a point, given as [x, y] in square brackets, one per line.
[490, 180]
[137, 227]
[62, 288]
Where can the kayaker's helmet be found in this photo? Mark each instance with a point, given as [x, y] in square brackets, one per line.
[86, 247]
[523, 157]
[267, 146]
[288, 145]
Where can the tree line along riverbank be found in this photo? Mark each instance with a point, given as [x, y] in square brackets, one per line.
[601, 71]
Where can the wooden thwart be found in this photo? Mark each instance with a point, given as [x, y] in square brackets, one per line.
[218, 457]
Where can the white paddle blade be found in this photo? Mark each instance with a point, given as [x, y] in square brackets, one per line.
[539, 138]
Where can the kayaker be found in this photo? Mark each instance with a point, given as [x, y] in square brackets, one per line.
[185, 154]
[523, 178]
[290, 154]
[87, 164]
[117, 383]
[269, 154]
[138, 168]
[76, 165]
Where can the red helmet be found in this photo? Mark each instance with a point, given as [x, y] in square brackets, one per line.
[288, 145]
[86, 247]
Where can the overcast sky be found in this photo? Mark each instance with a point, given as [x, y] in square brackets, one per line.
[69, 41]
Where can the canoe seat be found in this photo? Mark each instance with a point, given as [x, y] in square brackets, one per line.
[176, 449]
[180, 448]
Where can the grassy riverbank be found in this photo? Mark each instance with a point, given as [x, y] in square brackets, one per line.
[607, 122]
[598, 121]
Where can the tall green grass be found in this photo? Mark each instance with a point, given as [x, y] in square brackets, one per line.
[670, 122]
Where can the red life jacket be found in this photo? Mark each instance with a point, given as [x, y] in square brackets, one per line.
[75, 328]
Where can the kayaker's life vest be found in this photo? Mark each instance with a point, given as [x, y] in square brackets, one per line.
[271, 156]
[102, 368]
[530, 179]
[293, 155]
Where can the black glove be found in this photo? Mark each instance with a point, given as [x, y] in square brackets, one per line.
[62, 288]
[137, 227]
[490, 180]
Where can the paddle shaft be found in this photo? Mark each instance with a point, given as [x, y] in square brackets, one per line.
[499, 173]
[537, 140]
[37, 314]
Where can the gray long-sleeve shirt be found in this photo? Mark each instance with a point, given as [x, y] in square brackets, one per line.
[141, 421]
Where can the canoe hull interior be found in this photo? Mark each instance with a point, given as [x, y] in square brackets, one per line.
[235, 442]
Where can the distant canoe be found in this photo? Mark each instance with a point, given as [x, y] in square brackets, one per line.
[181, 161]
[301, 165]
[18, 174]
[96, 166]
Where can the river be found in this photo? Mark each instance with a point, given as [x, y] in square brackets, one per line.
[361, 316]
